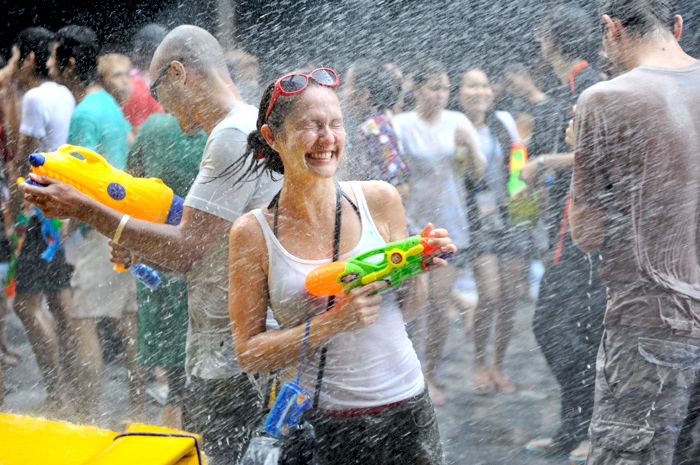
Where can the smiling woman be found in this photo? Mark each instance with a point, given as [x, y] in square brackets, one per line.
[372, 375]
[499, 251]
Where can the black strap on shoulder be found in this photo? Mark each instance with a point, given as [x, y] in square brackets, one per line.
[274, 205]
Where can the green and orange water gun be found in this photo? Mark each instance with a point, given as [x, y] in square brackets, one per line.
[393, 263]
[518, 159]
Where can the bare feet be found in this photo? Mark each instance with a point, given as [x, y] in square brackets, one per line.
[8, 360]
[436, 395]
[9, 356]
[580, 454]
[10, 350]
[483, 381]
[503, 383]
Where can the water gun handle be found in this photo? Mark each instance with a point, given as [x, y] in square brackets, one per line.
[30, 182]
[431, 249]
[144, 273]
[124, 267]
[52, 237]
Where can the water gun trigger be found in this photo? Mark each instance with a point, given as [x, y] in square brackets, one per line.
[122, 267]
[427, 248]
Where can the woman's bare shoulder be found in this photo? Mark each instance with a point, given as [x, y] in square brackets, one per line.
[247, 235]
[380, 194]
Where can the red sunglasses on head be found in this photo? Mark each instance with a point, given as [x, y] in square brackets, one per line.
[296, 82]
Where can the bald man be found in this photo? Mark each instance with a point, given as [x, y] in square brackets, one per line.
[192, 83]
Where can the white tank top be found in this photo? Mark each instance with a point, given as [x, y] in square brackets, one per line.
[368, 367]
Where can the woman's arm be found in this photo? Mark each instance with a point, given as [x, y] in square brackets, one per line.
[261, 351]
[475, 164]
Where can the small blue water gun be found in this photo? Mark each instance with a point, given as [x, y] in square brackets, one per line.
[52, 237]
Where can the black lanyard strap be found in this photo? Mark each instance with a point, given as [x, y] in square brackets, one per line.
[274, 205]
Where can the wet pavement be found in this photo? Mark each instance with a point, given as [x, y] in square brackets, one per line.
[476, 430]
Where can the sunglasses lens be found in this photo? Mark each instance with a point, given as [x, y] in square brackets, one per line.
[325, 77]
[293, 83]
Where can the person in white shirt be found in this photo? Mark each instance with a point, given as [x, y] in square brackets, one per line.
[45, 119]
[430, 136]
[499, 252]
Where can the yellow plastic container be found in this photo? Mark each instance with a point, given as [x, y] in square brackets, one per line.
[36, 441]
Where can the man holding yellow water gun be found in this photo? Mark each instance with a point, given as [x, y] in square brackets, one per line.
[193, 84]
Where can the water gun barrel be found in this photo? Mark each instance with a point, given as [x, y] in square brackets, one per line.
[142, 198]
[402, 260]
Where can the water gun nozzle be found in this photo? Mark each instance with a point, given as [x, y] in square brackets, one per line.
[37, 160]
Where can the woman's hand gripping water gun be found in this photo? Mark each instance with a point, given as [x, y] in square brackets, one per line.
[146, 199]
[397, 261]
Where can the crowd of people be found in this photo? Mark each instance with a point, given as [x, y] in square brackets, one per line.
[583, 159]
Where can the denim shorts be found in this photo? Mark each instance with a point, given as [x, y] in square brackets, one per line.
[405, 434]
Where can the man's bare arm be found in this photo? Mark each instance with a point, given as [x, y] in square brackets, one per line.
[542, 163]
[587, 226]
[176, 247]
[19, 167]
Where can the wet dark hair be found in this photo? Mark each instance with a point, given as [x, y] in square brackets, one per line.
[571, 30]
[259, 156]
[37, 40]
[424, 70]
[384, 85]
[641, 17]
[146, 41]
[466, 67]
[80, 43]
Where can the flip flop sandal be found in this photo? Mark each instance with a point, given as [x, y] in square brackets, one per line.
[540, 445]
[580, 454]
[8, 360]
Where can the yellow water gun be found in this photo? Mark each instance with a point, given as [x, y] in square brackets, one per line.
[143, 198]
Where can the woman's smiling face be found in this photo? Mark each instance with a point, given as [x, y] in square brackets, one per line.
[434, 93]
[313, 136]
[475, 92]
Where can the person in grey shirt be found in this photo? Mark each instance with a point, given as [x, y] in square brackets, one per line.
[635, 194]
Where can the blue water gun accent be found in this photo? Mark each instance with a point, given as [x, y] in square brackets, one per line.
[147, 275]
[51, 235]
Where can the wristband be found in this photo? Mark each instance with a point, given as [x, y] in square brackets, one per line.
[120, 229]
